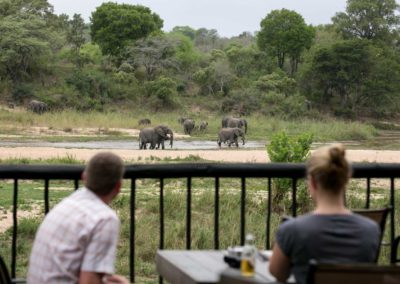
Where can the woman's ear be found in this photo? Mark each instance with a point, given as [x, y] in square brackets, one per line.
[312, 186]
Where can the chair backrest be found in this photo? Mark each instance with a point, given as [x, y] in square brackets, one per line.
[395, 246]
[4, 275]
[379, 216]
[353, 274]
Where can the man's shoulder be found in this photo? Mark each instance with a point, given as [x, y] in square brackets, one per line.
[86, 204]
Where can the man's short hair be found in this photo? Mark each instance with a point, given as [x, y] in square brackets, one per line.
[103, 172]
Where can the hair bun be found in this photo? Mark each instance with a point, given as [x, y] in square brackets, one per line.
[337, 153]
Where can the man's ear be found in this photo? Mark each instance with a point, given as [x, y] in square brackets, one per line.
[83, 176]
[117, 187]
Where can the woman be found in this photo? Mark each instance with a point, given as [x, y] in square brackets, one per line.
[329, 234]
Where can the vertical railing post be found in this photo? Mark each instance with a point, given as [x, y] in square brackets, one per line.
[392, 212]
[367, 202]
[189, 213]
[216, 214]
[161, 213]
[268, 239]
[132, 231]
[76, 184]
[160, 280]
[15, 230]
[243, 211]
[294, 197]
[46, 196]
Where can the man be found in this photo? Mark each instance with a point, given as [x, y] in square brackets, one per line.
[76, 243]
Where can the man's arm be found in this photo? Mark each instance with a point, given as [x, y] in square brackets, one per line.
[279, 264]
[90, 277]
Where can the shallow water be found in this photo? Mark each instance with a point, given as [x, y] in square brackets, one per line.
[132, 145]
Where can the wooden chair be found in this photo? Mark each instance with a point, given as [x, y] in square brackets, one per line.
[395, 246]
[379, 216]
[353, 274]
[5, 276]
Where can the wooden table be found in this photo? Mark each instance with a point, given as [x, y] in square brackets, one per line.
[205, 267]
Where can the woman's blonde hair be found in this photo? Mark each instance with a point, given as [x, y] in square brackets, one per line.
[330, 168]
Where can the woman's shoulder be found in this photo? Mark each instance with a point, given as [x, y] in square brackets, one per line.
[365, 222]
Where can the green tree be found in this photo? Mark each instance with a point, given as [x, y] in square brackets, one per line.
[284, 34]
[76, 38]
[341, 70]
[114, 25]
[75, 35]
[154, 54]
[186, 31]
[368, 19]
[353, 75]
[205, 40]
[25, 39]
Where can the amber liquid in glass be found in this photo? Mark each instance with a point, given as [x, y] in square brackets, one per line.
[247, 267]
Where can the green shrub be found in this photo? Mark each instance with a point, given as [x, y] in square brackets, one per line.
[285, 149]
[241, 102]
[21, 92]
[162, 93]
[277, 104]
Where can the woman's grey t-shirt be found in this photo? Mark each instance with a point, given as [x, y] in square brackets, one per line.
[337, 238]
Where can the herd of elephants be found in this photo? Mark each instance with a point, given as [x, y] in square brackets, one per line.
[232, 129]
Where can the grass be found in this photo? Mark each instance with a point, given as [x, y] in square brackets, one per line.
[147, 217]
[260, 127]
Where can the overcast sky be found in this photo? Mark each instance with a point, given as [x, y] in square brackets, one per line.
[228, 17]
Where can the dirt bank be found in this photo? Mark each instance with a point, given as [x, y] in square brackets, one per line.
[256, 156]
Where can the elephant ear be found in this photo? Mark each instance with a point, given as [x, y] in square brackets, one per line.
[160, 131]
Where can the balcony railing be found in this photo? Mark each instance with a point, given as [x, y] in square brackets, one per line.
[294, 172]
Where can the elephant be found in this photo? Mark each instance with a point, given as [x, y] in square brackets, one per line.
[225, 119]
[230, 135]
[155, 136]
[38, 106]
[232, 122]
[182, 119]
[188, 126]
[203, 125]
[144, 121]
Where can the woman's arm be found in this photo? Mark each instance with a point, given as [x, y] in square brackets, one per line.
[279, 264]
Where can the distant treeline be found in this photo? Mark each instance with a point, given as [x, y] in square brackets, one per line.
[122, 60]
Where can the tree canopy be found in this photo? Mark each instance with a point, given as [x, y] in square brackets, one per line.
[115, 25]
[368, 19]
[284, 33]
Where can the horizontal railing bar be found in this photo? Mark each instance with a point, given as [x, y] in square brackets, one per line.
[248, 170]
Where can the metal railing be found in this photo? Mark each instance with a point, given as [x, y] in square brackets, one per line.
[216, 171]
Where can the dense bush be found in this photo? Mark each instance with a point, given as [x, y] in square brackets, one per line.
[22, 92]
[285, 149]
[241, 102]
[162, 93]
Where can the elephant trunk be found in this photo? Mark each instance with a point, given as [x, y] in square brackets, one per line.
[171, 142]
[243, 139]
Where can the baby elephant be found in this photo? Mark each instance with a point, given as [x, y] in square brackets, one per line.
[144, 121]
[38, 106]
[188, 126]
[203, 125]
[230, 135]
